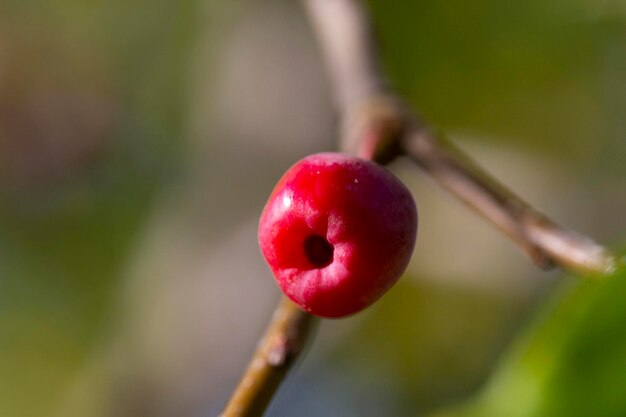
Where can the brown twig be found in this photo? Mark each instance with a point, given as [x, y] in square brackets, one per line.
[284, 339]
[376, 125]
[546, 243]
[368, 105]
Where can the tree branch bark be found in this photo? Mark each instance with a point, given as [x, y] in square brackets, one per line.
[284, 339]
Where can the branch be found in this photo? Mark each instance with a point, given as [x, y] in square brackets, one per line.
[376, 122]
[546, 243]
[284, 339]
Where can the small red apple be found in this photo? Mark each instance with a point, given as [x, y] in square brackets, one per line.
[337, 231]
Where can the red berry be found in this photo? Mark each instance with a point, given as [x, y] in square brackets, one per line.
[337, 231]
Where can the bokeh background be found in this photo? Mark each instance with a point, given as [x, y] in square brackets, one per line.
[140, 139]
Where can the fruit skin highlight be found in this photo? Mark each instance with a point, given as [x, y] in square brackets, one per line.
[337, 232]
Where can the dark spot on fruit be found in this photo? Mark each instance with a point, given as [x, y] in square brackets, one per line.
[318, 251]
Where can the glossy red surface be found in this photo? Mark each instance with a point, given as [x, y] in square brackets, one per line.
[337, 232]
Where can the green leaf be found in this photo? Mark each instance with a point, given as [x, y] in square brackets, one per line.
[571, 361]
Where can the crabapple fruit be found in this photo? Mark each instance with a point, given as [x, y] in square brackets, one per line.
[337, 232]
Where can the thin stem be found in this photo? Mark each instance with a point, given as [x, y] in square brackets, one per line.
[344, 39]
[284, 339]
[546, 243]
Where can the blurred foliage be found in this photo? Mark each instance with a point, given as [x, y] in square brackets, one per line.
[91, 117]
[570, 362]
[549, 75]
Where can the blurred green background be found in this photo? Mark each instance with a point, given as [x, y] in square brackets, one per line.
[139, 140]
